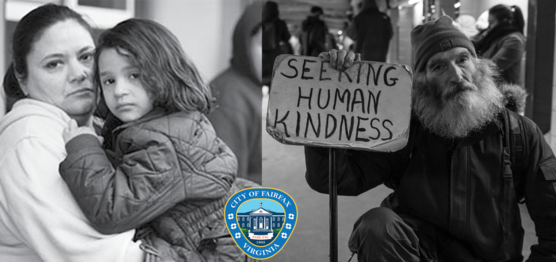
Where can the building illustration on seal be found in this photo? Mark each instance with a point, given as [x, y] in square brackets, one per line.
[261, 223]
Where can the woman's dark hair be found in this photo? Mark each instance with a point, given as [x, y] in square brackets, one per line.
[27, 32]
[511, 15]
[167, 74]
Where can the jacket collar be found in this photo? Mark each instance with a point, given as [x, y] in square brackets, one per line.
[155, 113]
[495, 126]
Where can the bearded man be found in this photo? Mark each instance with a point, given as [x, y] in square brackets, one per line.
[454, 194]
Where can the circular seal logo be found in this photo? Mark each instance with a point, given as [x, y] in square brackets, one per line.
[261, 220]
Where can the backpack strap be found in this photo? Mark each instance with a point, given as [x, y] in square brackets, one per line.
[508, 190]
[517, 153]
[514, 142]
[513, 169]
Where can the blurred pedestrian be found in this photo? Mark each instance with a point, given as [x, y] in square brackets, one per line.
[344, 40]
[467, 25]
[482, 22]
[371, 30]
[275, 39]
[295, 30]
[503, 41]
[315, 37]
[237, 118]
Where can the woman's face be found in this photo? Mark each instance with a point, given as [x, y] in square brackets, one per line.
[492, 21]
[59, 68]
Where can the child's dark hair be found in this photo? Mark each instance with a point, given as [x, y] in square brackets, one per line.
[29, 29]
[167, 74]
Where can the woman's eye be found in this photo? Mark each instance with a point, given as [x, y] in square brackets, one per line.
[87, 57]
[53, 64]
[134, 75]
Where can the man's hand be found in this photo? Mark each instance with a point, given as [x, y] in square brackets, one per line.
[73, 130]
[340, 60]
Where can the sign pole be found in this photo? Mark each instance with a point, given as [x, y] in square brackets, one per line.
[333, 195]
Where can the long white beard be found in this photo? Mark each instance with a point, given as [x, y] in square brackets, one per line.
[457, 114]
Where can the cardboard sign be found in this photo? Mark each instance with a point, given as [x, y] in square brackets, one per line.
[367, 106]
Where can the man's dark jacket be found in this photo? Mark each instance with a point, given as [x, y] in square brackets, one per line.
[456, 185]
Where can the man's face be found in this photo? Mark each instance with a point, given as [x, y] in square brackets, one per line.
[60, 68]
[450, 73]
[456, 94]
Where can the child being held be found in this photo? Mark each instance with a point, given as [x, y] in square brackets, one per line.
[162, 168]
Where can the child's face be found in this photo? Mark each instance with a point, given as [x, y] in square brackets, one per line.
[123, 91]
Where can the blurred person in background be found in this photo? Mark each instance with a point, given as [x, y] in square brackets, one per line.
[371, 30]
[503, 41]
[345, 41]
[481, 24]
[275, 39]
[294, 39]
[467, 25]
[237, 117]
[315, 37]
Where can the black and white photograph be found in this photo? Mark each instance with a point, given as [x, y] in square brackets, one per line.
[278, 130]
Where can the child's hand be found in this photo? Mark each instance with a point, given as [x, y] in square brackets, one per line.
[73, 130]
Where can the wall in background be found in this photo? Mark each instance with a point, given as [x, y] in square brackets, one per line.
[204, 28]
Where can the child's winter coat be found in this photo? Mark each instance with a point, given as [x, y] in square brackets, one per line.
[167, 172]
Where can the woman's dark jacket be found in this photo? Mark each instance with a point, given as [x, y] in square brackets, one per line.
[505, 47]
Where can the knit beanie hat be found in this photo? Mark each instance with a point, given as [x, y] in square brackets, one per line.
[436, 36]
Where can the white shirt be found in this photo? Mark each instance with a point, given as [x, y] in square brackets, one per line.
[39, 219]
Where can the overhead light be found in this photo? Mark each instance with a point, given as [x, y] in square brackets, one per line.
[411, 2]
[457, 5]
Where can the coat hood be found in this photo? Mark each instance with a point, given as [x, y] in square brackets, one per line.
[270, 11]
[249, 23]
[515, 97]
